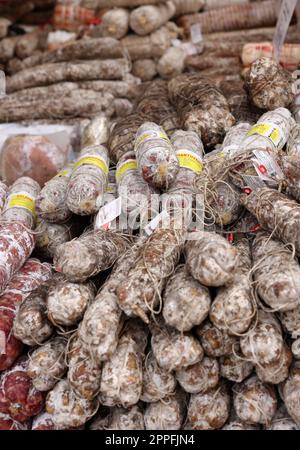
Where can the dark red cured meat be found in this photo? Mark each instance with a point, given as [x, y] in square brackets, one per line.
[29, 277]
[7, 423]
[18, 398]
[16, 245]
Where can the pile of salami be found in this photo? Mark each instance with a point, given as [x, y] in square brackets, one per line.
[154, 283]
[67, 61]
[149, 275]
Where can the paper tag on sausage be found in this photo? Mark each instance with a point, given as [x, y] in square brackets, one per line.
[92, 161]
[2, 343]
[251, 183]
[151, 227]
[196, 34]
[268, 130]
[284, 18]
[130, 164]
[21, 200]
[266, 166]
[189, 160]
[149, 135]
[108, 213]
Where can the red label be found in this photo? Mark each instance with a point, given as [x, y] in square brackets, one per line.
[256, 227]
[262, 169]
[230, 237]
[247, 190]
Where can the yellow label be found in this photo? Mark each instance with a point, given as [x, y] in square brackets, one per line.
[190, 161]
[93, 161]
[22, 201]
[152, 134]
[131, 164]
[267, 130]
[63, 173]
[110, 189]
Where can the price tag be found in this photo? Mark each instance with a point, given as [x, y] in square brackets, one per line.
[283, 21]
[196, 34]
[108, 213]
[151, 227]
[2, 343]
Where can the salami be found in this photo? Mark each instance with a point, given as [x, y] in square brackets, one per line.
[91, 253]
[18, 397]
[156, 158]
[29, 277]
[140, 293]
[51, 201]
[20, 203]
[47, 364]
[84, 374]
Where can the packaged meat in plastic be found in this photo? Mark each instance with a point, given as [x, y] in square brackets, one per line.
[20, 203]
[156, 158]
[30, 156]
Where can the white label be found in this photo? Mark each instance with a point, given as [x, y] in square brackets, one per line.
[266, 166]
[196, 34]
[108, 213]
[2, 343]
[283, 21]
[251, 183]
[151, 227]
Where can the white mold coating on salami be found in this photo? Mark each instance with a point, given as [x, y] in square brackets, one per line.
[67, 409]
[263, 345]
[84, 374]
[31, 324]
[47, 364]
[232, 309]
[158, 383]
[90, 254]
[67, 302]
[254, 401]
[174, 350]
[235, 368]
[139, 294]
[276, 274]
[199, 377]
[215, 342]
[122, 377]
[209, 410]
[211, 259]
[186, 301]
[166, 414]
